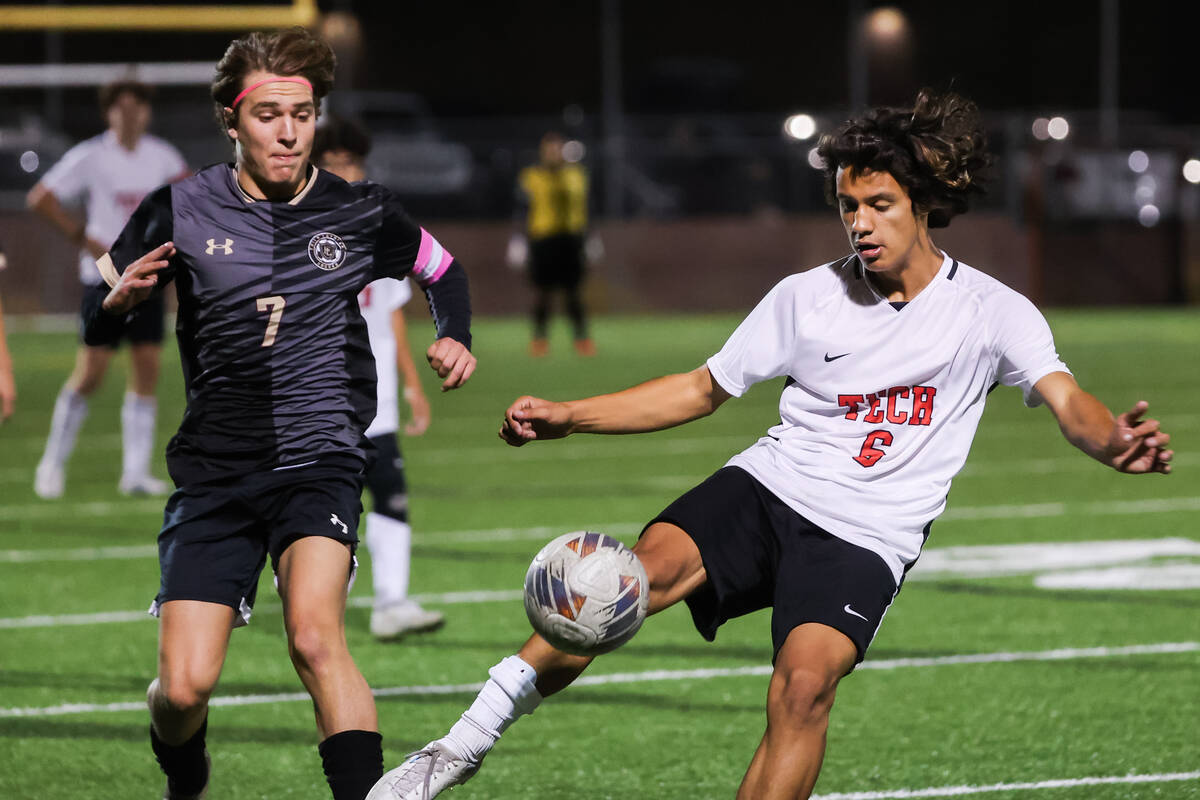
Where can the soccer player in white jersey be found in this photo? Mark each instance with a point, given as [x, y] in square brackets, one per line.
[389, 535]
[341, 147]
[111, 172]
[889, 354]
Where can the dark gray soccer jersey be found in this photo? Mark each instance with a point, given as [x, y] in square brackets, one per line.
[276, 360]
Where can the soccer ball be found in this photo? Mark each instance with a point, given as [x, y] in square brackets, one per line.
[586, 593]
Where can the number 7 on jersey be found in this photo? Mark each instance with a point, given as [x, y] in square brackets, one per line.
[275, 305]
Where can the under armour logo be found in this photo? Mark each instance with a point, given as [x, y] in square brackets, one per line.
[226, 249]
[334, 519]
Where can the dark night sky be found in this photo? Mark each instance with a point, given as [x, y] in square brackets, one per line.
[535, 56]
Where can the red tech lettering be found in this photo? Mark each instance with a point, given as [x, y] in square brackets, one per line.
[920, 412]
[922, 405]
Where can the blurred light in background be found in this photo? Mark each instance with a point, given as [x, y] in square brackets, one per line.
[573, 151]
[573, 115]
[814, 159]
[800, 126]
[887, 24]
[1139, 162]
[1041, 129]
[1146, 187]
[1058, 128]
[1191, 170]
[29, 161]
[1148, 215]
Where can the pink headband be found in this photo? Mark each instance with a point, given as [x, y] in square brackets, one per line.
[273, 79]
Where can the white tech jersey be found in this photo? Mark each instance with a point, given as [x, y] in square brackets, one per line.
[880, 405]
[112, 181]
[377, 302]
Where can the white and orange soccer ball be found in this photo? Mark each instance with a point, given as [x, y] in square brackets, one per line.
[586, 593]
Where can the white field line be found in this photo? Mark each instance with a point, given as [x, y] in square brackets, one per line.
[954, 513]
[102, 617]
[1065, 654]
[1060, 783]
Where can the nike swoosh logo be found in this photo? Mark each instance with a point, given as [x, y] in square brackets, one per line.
[829, 358]
[850, 610]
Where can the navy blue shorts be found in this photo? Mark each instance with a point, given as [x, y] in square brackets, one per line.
[142, 325]
[759, 553]
[385, 478]
[216, 536]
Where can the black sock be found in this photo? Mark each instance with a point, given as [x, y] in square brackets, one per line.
[353, 762]
[183, 764]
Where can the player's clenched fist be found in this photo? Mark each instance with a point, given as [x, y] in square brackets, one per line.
[451, 360]
[532, 418]
[138, 280]
[1138, 445]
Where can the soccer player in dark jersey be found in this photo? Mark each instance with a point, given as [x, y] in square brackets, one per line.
[268, 256]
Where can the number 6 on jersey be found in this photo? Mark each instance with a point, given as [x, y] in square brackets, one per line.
[275, 305]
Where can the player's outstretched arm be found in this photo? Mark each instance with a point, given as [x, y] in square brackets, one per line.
[651, 406]
[8, 386]
[1126, 442]
[414, 395]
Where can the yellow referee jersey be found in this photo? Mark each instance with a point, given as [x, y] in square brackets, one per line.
[557, 199]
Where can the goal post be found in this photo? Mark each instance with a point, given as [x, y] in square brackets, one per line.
[151, 17]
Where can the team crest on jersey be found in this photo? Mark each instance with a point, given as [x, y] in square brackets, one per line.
[327, 251]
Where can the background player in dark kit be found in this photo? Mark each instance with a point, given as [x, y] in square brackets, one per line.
[268, 255]
[821, 518]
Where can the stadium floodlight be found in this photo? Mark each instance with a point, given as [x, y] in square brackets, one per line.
[1148, 215]
[573, 151]
[814, 159]
[1191, 170]
[1041, 129]
[1058, 128]
[1139, 162]
[800, 126]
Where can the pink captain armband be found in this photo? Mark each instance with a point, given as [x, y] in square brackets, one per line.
[273, 79]
[432, 260]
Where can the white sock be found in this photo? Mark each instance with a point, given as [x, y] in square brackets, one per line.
[509, 694]
[389, 542]
[70, 410]
[137, 434]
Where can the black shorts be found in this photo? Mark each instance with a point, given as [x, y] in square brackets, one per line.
[216, 536]
[759, 553]
[385, 478]
[142, 325]
[556, 262]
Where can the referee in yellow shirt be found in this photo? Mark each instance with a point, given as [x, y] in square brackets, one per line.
[555, 193]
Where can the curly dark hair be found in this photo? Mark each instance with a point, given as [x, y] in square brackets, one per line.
[291, 51]
[936, 150]
[341, 133]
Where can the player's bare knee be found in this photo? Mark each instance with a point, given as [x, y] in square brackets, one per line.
[801, 696]
[313, 649]
[179, 694]
[672, 562]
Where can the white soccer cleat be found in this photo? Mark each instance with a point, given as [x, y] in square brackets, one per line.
[424, 775]
[408, 616]
[142, 486]
[48, 481]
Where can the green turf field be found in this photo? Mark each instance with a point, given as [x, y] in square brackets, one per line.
[669, 715]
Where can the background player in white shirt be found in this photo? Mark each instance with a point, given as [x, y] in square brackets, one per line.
[341, 147]
[889, 354]
[111, 173]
